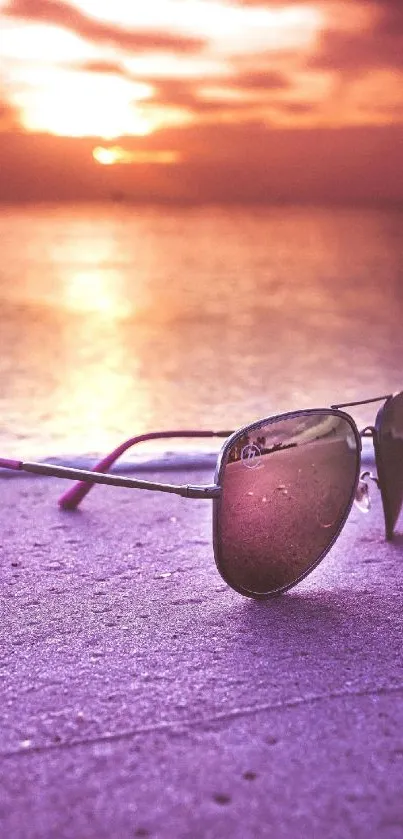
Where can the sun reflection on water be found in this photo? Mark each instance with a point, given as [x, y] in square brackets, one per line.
[91, 291]
[97, 388]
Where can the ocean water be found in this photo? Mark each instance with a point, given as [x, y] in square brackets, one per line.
[118, 319]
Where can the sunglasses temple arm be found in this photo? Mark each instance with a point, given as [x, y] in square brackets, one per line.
[15, 465]
[72, 498]
[90, 477]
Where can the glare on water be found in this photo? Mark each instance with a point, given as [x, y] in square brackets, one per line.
[116, 319]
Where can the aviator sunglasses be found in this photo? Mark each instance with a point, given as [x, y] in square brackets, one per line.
[282, 492]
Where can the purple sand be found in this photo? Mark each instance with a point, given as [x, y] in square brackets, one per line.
[140, 696]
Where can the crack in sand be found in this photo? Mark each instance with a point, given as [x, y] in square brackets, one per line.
[182, 726]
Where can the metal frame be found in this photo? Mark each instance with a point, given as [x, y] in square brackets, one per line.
[363, 401]
[72, 498]
[185, 490]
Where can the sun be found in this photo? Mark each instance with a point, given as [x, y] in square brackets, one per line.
[108, 156]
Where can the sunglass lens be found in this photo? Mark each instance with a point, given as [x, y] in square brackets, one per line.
[390, 460]
[287, 488]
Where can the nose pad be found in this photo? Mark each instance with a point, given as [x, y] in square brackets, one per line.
[362, 497]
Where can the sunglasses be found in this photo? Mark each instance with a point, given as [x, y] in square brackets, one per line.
[283, 489]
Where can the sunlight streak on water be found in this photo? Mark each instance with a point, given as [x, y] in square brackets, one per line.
[95, 292]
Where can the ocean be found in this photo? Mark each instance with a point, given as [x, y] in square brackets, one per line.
[118, 319]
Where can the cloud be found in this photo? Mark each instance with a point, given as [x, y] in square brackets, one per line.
[107, 68]
[60, 13]
[388, 12]
[390, 17]
[377, 44]
[298, 108]
[254, 79]
[195, 95]
[351, 53]
[261, 80]
[227, 94]
[186, 96]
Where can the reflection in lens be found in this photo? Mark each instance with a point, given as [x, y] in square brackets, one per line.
[390, 460]
[287, 487]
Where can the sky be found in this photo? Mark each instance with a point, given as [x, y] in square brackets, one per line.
[202, 100]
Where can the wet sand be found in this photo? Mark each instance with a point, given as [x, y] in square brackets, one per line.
[141, 697]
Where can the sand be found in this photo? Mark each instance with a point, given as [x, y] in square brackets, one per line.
[141, 697]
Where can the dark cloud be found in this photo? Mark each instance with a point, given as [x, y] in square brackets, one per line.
[196, 97]
[245, 80]
[390, 18]
[377, 45]
[60, 13]
[177, 93]
[389, 12]
[298, 108]
[185, 95]
[261, 80]
[351, 53]
[107, 68]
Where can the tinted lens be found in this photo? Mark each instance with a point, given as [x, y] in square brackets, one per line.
[390, 459]
[287, 488]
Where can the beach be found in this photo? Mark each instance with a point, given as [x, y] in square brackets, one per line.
[142, 697]
[201, 216]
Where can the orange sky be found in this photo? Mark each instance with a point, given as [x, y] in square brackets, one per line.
[201, 99]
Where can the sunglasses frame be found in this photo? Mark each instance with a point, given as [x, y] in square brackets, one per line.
[100, 474]
[219, 474]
